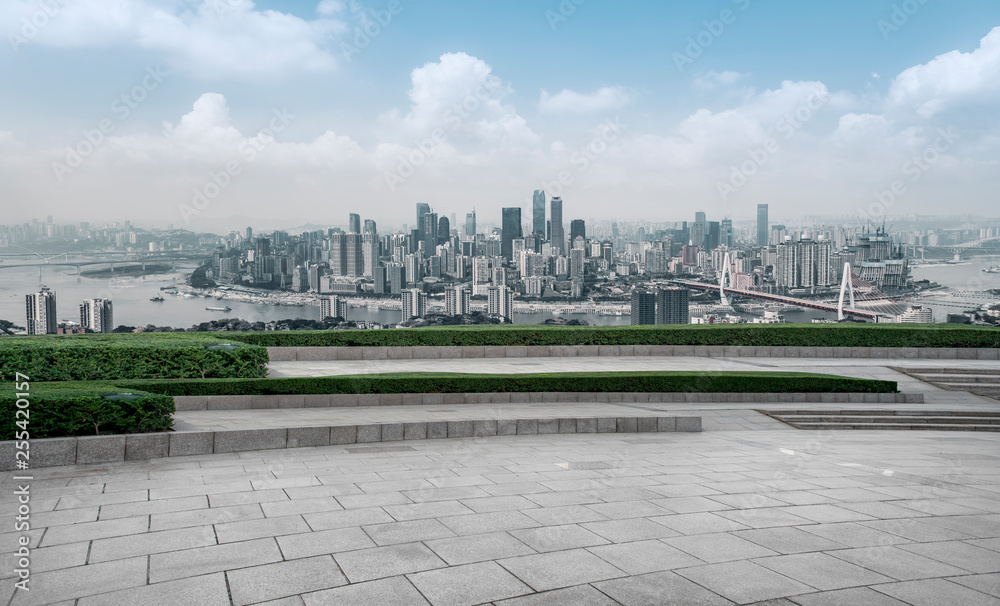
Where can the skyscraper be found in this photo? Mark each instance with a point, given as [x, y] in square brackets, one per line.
[355, 256]
[422, 210]
[338, 254]
[430, 233]
[672, 306]
[395, 276]
[511, 228]
[556, 236]
[538, 213]
[576, 263]
[726, 233]
[643, 308]
[41, 312]
[501, 301]
[354, 226]
[96, 314]
[369, 251]
[443, 230]
[370, 227]
[577, 229]
[762, 225]
[470, 224]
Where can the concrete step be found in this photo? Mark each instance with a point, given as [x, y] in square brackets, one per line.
[980, 388]
[884, 413]
[951, 371]
[897, 426]
[913, 420]
[956, 378]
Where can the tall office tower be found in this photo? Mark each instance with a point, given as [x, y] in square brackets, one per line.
[414, 268]
[443, 230]
[556, 234]
[422, 210]
[470, 224]
[577, 229]
[41, 312]
[762, 231]
[697, 235]
[369, 251]
[643, 307]
[689, 254]
[430, 233]
[249, 234]
[538, 213]
[501, 302]
[414, 303]
[726, 233]
[672, 306]
[338, 254]
[576, 261]
[355, 256]
[699, 217]
[370, 227]
[395, 276]
[511, 229]
[354, 224]
[457, 301]
[608, 252]
[96, 315]
[332, 307]
[713, 236]
[378, 275]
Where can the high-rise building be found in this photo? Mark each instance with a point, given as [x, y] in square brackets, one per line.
[41, 312]
[556, 235]
[338, 254]
[511, 229]
[576, 262]
[470, 224]
[672, 306]
[643, 307]
[443, 230]
[422, 210]
[381, 286]
[501, 301]
[370, 227]
[395, 276]
[538, 213]
[332, 307]
[457, 301]
[414, 303]
[414, 268]
[96, 314]
[355, 255]
[577, 229]
[762, 231]
[369, 252]
[726, 233]
[430, 232]
[354, 224]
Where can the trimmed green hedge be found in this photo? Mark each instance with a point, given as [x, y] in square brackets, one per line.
[706, 382]
[134, 356]
[778, 335]
[78, 409]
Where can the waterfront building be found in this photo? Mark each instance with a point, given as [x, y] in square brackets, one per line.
[97, 315]
[672, 306]
[457, 301]
[414, 303]
[643, 307]
[41, 312]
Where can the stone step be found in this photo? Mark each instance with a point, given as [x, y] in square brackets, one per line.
[912, 420]
[87, 450]
[962, 378]
[192, 403]
[897, 426]
[951, 371]
[883, 413]
[979, 388]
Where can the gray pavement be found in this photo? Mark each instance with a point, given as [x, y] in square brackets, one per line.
[777, 517]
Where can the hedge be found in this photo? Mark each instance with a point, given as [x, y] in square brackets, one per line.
[75, 409]
[702, 382]
[134, 356]
[777, 335]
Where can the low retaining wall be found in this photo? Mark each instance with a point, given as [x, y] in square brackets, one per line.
[87, 450]
[189, 403]
[324, 354]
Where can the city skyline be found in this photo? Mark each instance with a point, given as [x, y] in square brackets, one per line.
[898, 122]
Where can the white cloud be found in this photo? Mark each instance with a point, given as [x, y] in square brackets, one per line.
[567, 101]
[714, 79]
[208, 38]
[950, 79]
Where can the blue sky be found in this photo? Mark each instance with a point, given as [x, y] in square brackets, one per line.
[874, 94]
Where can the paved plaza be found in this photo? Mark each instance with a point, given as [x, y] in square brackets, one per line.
[776, 516]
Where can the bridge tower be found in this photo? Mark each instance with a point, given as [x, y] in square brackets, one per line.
[845, 285]
[726, 271]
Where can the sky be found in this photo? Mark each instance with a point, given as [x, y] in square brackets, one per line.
[218, 113]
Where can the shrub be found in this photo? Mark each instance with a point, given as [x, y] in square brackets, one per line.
[703, 382]
[75, 409]
[133, 356]
[778, 335]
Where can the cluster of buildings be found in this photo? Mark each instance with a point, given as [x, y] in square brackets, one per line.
[96, 315]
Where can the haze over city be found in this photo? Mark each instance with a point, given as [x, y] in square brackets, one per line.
[221, 114]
